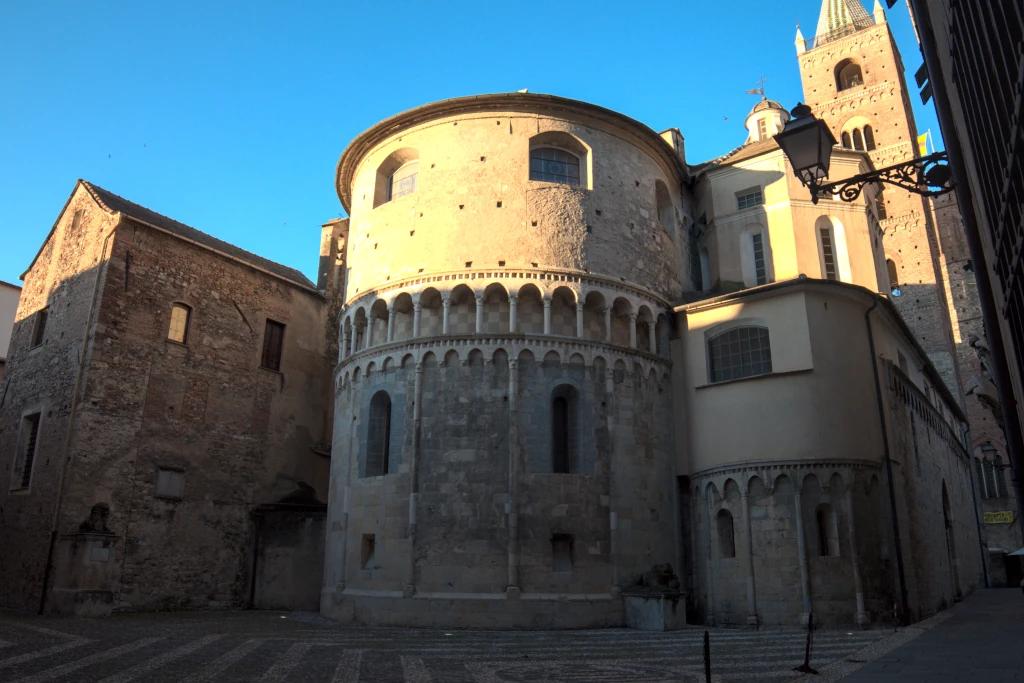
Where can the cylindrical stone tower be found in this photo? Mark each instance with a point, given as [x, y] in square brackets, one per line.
[502, 450]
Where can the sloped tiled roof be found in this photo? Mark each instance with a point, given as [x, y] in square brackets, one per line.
[745, 151]
[116, 203]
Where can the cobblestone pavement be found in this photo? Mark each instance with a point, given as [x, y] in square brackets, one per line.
[274, 646]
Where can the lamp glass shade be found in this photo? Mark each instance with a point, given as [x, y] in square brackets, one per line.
[807, 143]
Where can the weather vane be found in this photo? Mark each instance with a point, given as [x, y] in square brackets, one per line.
[759, 90]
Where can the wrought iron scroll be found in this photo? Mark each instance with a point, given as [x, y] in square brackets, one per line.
[928, 176]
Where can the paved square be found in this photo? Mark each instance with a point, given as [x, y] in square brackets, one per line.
[274, 646]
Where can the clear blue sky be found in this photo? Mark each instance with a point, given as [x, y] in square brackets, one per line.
[230, 117]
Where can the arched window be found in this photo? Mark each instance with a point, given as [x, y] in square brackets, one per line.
[403, 180]
[378, 441]
[980, 468]
[828, 533]
[894, 278]
[847, 143]
[663, 202]
[554, 166]
[558, 157]
[563, 429]
[177, 331]
[726, 535]
[827, 249]
[396, 176]
[848, 75]
[990, 479]
[858, 140]
[869, 138]
[739, 352]
[1000, 471]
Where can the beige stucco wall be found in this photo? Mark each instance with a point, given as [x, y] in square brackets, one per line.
[8, 307]
[788, 219]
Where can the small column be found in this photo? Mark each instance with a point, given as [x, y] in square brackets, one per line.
[479, 313]
[352, 340]
[512, 590]
[547, 315]
[711, 557]
[513, 316]
[579, 319]
[652, 338]
[417, 314]
[446, 306]
[801, 548]
[608, 324]
[858, 585]
[391, 323]
[369, 332]
[414, 461]
[632, 330]
[751, 589]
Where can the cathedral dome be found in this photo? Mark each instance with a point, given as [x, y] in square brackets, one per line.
[766, 104]
[765, 120]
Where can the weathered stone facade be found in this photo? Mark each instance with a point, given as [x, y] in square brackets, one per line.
[547, 360]
[179, 440]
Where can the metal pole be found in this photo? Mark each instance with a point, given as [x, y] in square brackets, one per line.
[707, 657]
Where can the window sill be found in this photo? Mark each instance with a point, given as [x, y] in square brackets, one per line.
[183, 345]
[565, 186]
[752, 378]
[272, 370]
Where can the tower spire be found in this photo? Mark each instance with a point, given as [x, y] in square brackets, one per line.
[840, 17]
[800, 41]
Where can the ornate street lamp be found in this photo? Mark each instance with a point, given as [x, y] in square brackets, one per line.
[807, 142]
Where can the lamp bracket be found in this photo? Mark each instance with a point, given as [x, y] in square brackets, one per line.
[928, 176]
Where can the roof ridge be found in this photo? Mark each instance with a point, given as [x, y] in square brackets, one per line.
[139, 212]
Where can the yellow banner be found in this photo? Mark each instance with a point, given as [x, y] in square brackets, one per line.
[1004, 517]
[922, 143]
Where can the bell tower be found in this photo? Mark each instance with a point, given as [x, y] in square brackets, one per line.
[852, 77]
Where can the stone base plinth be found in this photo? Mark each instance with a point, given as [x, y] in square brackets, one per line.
[474, 610]
[655, 612]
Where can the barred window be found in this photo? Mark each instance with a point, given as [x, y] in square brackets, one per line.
[749, 198]
[760, 267]
[554, 165]
[762, 129]
[828, 254]
[740, 352]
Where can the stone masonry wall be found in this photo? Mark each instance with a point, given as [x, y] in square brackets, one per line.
[64, 279]
[237, 434]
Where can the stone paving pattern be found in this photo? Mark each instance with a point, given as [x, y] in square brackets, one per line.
[276, 646]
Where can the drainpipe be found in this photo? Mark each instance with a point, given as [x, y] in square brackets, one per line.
[989, 311]
[886, 457]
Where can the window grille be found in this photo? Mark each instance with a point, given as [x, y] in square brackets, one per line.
[828, 257]
[273, 344]
[760, 267]
[762, 129]
[554, 166]
[749, 198]
[740, 352]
